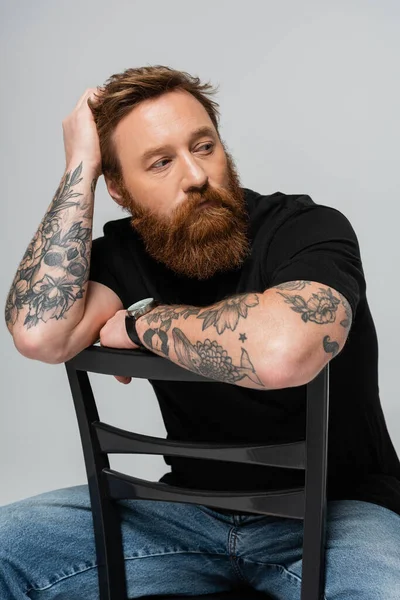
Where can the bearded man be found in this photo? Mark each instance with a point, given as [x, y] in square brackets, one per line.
[257, 292]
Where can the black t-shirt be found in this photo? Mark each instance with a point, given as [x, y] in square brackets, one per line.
[292, 238]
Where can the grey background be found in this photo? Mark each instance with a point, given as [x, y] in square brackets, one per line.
[309, 95]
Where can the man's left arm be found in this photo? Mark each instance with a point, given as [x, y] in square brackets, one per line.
[280, 338]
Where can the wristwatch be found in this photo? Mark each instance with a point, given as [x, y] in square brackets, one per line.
[133, 312]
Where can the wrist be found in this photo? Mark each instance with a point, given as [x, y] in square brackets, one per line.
[134, 323]
[90, 167]
[141, 327]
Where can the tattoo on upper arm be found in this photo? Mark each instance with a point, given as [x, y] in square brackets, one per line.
[329, 346]
[320, 308]
[349, 316]
[293, 285]
[66, 250]
[222, 315]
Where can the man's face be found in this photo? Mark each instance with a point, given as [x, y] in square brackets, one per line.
[181, 186]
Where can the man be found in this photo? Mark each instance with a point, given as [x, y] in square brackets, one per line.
[258, 292]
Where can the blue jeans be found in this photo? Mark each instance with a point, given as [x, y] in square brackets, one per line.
[47, 550]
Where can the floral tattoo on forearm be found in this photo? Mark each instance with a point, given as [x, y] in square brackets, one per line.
[222, 315]
[66, 249]
[207, 358]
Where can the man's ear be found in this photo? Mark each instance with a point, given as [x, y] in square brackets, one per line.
[114, 190]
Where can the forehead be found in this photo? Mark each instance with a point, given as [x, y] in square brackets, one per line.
[160, 120]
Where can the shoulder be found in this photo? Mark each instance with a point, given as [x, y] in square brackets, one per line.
[269, 211]
[281, 214]
[312, 221]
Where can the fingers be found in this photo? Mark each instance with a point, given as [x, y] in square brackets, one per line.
[95, 95]
[89, 93]
[122, 379]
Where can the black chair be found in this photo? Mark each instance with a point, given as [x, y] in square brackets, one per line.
[106, 485]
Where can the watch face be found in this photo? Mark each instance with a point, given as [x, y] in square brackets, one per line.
[141, 304]
[142, 307]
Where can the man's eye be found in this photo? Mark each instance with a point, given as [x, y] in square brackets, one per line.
[207, 147]
[158, 164]
[204, 146]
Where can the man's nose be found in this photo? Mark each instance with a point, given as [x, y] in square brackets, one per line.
[194, 175]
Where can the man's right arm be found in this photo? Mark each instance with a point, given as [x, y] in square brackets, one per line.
[47, 296]
[47, 311]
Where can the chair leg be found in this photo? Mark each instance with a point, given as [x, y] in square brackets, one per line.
[105, 514]
[313, 570]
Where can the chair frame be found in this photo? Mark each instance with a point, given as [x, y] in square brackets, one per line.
[106, 485]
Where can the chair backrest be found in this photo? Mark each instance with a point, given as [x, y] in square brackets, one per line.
[107, 485]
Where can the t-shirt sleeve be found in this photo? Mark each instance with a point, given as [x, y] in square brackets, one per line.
[103, 267]
[317, 243]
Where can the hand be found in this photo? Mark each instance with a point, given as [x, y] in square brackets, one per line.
[81, 140]
[113, 335]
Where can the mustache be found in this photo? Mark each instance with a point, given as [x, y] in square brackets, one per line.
[220, 197]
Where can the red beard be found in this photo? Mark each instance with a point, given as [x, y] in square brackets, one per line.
[197, 241]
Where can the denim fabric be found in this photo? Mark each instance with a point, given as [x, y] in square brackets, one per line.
[47, 550]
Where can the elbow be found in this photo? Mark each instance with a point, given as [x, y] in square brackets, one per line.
[284, 371]
[276, 370]
[36, 350]
[278, 379]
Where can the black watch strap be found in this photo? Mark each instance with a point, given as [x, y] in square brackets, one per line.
[130, 324]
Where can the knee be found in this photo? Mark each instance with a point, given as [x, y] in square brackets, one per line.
[362, 552]
[16, 528]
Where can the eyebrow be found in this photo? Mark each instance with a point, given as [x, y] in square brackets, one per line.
[199, 132]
